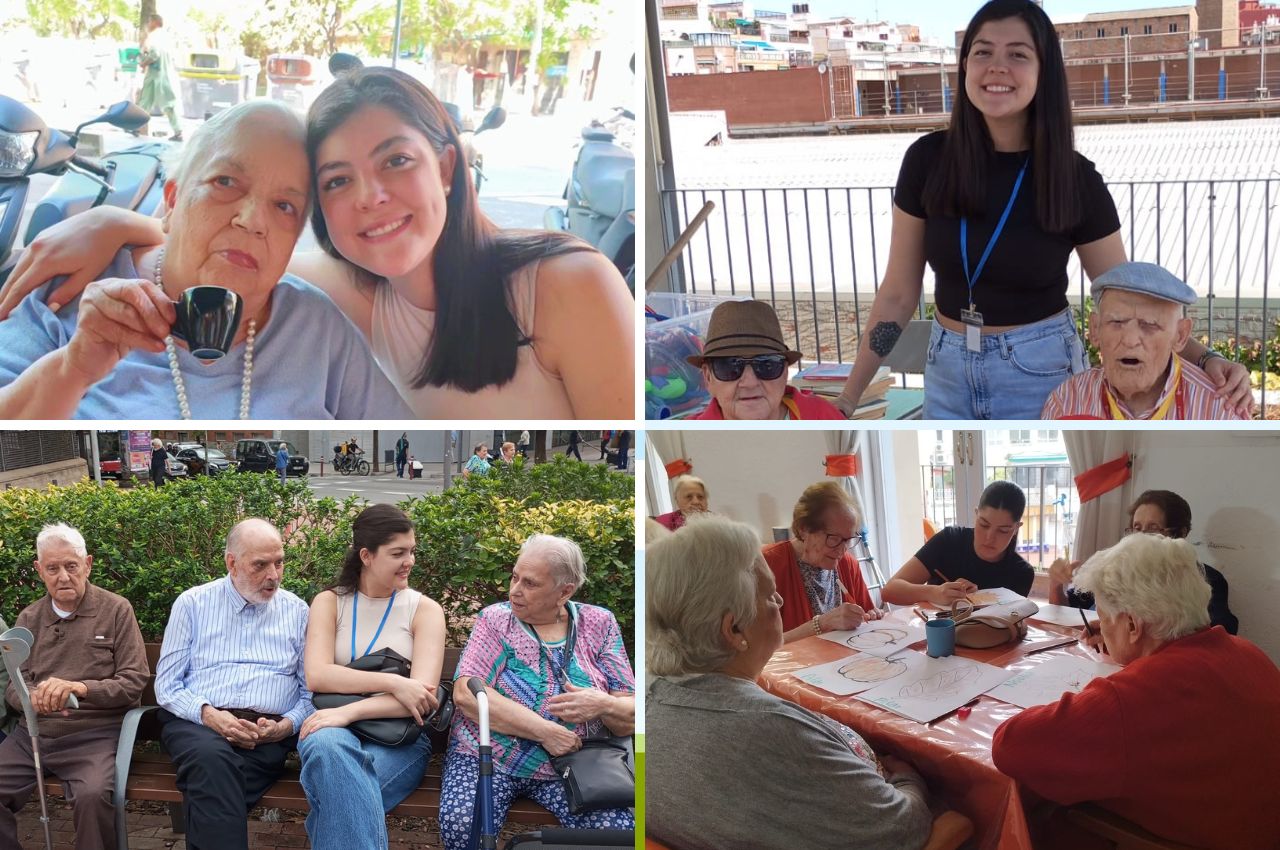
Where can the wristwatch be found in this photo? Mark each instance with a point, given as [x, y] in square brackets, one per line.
[1208, 355]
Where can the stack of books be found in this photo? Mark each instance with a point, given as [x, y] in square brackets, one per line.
[827, 379]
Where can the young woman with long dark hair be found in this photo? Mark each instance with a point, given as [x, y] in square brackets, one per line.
[995, 204]
[467, 320]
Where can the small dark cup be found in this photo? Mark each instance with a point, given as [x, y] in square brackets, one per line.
[208, 317]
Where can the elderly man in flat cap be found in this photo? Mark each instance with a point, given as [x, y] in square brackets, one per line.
[744, 364]
[1138, 323]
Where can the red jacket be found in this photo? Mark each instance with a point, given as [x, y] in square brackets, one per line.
[1184, 742]
[796, 610]
[802, 404]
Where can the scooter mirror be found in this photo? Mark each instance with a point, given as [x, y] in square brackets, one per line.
[494, 119]
[126, 115]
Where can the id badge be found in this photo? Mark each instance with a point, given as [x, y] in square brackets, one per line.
[972, 321]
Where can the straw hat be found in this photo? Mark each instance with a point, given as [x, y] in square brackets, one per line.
[743, 329]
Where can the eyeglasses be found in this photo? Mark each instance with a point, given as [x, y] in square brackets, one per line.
[835, 541]
[767, 367]
[1148, 529]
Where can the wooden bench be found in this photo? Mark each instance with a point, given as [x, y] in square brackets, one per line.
[152, 776]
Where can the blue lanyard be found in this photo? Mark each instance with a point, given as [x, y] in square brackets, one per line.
[355, 613]
[995, 235]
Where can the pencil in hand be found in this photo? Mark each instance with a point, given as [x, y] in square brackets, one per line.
[1088, 630]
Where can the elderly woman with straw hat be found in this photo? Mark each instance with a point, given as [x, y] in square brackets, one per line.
[744, 364]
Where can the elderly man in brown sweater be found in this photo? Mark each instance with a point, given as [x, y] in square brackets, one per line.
[87, 643]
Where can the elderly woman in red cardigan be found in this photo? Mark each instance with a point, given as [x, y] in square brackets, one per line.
[820, 583]
[1183, 739]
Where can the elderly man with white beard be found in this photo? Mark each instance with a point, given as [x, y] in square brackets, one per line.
[231, 687]
[1138, 324]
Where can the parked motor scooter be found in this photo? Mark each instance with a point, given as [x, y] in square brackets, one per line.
[132, 178]
[493, 119]
[601, 196]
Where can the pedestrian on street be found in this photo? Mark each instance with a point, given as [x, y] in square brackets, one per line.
[158, 458]
[402, 454]
[624, 445]
[574, 439]
[604, 443]
[282, 462]
[160, 83]
[522, 445]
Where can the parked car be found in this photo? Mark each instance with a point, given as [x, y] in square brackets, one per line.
[203, 461]
[109, 467]
[259, 455]
[174, 468]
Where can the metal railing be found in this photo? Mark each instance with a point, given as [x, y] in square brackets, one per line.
[818, 254]
[1052, 505]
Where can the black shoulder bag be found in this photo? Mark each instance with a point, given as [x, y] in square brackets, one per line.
[390, 731]
[598, 776]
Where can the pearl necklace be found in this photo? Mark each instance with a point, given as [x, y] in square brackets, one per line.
[180, 386]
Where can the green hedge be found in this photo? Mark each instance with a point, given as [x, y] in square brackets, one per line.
[149, 545]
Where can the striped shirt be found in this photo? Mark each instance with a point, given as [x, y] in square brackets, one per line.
[509, 657]
[222, 651]
[1083, 396]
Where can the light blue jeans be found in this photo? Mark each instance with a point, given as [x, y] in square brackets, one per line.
[1011, 378]
[351, 784]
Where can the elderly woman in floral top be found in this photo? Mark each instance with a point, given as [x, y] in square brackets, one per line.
[541, 704]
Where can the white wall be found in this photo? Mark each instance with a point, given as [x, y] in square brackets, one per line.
[1230, 480]
[754, 476]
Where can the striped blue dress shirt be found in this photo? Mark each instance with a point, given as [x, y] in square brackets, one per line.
[220, 650]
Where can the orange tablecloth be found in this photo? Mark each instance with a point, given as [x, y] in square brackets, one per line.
[953, 754]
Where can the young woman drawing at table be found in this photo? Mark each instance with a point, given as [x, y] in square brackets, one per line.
[995, 204]
[958, 561]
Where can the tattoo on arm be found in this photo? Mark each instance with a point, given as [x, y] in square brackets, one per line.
[884, 336]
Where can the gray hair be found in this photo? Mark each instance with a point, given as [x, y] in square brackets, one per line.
[241, 530]
[1154, 579]
[693, 577]
[61, 532]
[157, 443]
[561, 554]
[683, 481]
[217, 134]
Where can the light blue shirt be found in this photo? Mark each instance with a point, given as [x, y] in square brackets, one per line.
[282, 458]
[222, 651]
[309, 362]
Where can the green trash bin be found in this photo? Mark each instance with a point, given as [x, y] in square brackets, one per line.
[128, 59]
[214, 80]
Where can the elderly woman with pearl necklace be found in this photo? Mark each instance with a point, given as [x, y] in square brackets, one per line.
[235, 203]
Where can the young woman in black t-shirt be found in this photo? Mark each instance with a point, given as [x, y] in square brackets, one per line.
[996, 204]
[956, 561]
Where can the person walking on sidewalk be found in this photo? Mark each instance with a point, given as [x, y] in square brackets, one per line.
[624, 446]
[158, 458]
[574, 440]
[522, 445]
[160, 83]
[402, 454]
[282, 462]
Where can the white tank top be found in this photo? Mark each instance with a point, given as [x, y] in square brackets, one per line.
[400, 333]
[397, 632]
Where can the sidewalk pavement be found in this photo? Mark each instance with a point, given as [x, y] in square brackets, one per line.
[433, 471]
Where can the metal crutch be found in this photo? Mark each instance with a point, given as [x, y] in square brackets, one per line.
[15, 647]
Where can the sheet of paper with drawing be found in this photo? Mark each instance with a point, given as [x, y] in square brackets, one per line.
[927, 688]
[1063, 615]
[1049, 680]
[876, 637]
[851, 675]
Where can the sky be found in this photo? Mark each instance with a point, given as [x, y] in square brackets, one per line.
[941, 18]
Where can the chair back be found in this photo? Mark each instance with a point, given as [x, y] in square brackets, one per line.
[1123, 833]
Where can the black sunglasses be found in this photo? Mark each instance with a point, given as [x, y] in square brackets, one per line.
[766, 366]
